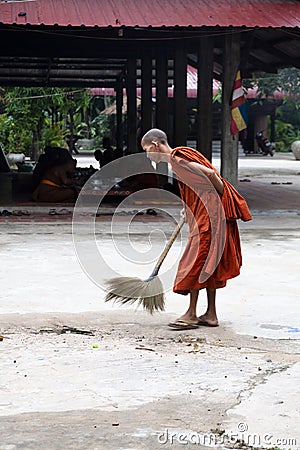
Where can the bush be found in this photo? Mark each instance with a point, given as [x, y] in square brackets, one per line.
[53, 135]
[285, 135]
[14, 136]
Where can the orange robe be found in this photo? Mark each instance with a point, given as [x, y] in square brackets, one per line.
[213, 252]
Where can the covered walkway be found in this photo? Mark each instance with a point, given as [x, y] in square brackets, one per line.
[268, 184]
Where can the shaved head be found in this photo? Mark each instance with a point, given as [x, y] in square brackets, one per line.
[155, 135]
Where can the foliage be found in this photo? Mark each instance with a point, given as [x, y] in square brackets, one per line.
[83, 131]
[26, 110]
[218, 96]
[287, 126]
[13, 135]
[289, 111]
[287, 80]
[53, 135]
[285, 135]
[101, 128]
[101, 124]
[290, 82]
[35, 117]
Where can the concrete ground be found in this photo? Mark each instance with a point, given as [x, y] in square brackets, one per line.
[78, 373]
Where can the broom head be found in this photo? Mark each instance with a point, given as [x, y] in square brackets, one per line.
[129, 290]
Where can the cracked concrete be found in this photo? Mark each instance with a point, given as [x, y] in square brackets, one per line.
[130, 382]
[141, 376]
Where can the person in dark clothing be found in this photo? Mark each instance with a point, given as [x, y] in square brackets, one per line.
[51, 176]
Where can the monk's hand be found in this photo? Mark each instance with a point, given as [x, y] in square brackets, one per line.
[182, 214]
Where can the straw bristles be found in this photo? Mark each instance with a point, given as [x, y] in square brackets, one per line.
[128, 290]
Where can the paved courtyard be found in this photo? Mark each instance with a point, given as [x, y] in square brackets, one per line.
[78, 373]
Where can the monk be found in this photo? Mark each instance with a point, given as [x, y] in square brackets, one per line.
[53, 178]
[212, 207]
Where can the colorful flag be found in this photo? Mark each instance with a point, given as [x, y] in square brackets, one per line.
[239, 115]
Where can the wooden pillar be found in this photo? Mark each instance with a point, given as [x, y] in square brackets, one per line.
[131, 105]
[162, 93]
[146, 95]
[204, 97]
[162, 107]
[260, 124]
[180, 102]
[229, 144]
[119, 107]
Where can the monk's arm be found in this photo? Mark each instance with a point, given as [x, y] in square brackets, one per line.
[211, 175]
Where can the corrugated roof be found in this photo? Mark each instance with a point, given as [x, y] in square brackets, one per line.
[154, 13]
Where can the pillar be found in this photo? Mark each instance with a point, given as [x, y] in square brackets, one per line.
[204, 97]
[229, 144]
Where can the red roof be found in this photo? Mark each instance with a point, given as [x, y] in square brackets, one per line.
[154, 13]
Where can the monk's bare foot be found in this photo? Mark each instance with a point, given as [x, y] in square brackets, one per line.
[185, 322]
[188, 318]
[208, 321]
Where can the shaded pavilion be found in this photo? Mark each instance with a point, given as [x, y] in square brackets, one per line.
[118, 44]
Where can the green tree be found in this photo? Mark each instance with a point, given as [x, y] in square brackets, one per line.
[287, 125]
[27, 107]
[72, 110]
[287, 80]
[31, 118]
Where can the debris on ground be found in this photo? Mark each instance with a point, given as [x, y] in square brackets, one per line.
[65, 330]
[281, 182]
[141, 347]
[59, 212]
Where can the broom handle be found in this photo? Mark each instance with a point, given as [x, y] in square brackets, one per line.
[167, 247]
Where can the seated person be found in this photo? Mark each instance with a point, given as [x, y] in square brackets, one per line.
[118, 153]
[98, 155]
[51, 176]
[106, 155]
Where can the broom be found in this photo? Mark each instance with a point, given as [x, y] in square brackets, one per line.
[149, 292]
